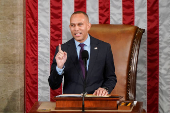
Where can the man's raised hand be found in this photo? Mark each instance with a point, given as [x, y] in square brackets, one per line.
[61, 57]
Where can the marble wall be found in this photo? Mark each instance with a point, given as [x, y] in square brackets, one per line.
[11, 56]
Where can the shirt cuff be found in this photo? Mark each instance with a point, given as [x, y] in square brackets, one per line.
[60, 71]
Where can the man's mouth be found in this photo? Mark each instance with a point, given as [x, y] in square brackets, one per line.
[77, 34]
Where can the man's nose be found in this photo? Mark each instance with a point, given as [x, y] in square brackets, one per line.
[76, 27]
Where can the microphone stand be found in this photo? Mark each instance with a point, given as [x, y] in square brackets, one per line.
[85, 66]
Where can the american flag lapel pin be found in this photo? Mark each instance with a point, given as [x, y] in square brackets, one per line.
[95, 48]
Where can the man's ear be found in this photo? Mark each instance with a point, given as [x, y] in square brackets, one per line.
[89, 26]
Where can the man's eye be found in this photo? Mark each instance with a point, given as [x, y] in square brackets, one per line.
[72, 25]
[80, 24]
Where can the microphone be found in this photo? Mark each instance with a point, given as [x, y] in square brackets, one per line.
[85, 57]
[85, 54]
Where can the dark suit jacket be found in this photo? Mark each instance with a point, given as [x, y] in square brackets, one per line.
[101, 70]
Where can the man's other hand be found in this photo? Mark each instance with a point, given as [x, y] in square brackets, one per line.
[100, 92]
[61, 57]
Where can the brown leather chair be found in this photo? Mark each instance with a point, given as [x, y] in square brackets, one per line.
[125, 42]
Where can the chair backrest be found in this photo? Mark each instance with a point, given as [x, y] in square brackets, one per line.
[125, 43]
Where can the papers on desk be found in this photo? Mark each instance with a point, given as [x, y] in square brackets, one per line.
[91, 95]
[86, 95]
[70, 95]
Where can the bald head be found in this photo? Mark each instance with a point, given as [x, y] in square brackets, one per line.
[80, 12]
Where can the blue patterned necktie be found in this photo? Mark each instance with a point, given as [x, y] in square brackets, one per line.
[80, 59]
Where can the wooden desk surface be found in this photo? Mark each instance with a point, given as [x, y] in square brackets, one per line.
[136, 109]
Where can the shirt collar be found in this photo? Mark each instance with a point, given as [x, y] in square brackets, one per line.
[86, 42]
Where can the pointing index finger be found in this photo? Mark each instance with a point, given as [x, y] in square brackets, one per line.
[59, 47]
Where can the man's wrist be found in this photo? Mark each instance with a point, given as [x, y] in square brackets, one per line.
[60, 67]
[60, 70]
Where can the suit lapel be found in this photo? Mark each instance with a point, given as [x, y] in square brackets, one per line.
[73, 54]
[93, 55]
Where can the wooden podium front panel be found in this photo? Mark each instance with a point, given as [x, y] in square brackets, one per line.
[51, 109]
[100, 105]
[68, 104]
[90, 103]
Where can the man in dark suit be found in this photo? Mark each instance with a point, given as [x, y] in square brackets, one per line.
[101, 78]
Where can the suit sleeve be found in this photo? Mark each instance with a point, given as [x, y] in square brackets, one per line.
[54, 79]
[110, 78]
